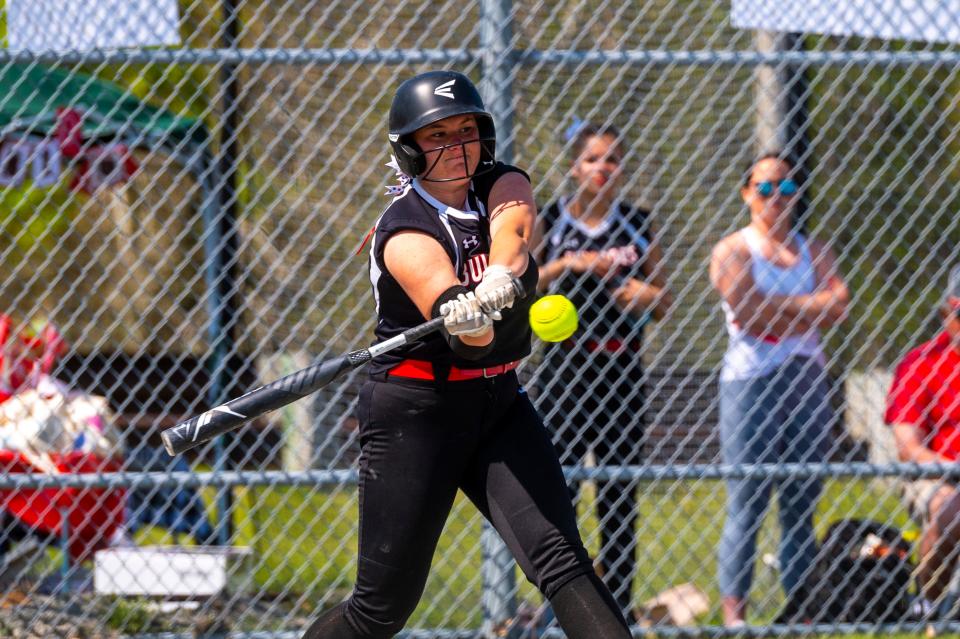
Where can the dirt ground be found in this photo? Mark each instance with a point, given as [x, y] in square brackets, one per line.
[74, 615]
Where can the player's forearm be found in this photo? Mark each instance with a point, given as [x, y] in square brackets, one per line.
[767, 315]
[779, 326]
[550, 272]
[822, 309]
[479, 340]
[512, 219]
[836, 302]
[833, 310]
[509, 248]
[641, 298]
[919, 454]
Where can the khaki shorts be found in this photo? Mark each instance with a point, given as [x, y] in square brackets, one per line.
[920, 493]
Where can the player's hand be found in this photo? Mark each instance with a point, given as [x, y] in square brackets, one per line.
[589, 262]
[463, 316]
[496, 290]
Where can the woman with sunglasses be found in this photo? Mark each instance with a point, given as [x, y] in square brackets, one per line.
[779, 289]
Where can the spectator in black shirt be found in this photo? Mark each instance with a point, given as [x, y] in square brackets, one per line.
[600, 252]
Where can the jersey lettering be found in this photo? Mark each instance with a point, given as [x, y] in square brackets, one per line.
[623, 241]
[473, 269]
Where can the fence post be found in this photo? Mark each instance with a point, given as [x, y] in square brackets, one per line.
[297, 420]
[782, 115]
[224, 296]
[498, 576]
[498, 599]
[496, 86]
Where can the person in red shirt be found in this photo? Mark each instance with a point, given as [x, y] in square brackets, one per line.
[923, 408]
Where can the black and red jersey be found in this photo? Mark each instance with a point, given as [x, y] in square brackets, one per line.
[465, 235]
[624, 235]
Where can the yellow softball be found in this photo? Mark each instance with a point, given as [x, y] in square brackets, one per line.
[553, 318]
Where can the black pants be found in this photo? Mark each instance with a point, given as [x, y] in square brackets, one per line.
[595, 401]
[418, 446]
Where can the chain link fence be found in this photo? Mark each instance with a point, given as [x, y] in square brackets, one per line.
[180, 224]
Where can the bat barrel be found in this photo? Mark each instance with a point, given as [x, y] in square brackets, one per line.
[197, 430]
[235, 413]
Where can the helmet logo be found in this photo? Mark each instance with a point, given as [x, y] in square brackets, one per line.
[393, 137]
[445, 89]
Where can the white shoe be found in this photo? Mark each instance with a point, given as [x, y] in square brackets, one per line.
[121, 539]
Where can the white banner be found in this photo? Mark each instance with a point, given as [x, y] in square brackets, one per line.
[35, 158]
[928, 20]
[83, 25]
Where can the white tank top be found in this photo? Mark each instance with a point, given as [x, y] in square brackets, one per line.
[748, 356]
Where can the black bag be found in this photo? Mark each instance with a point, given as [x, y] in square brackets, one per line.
[862, 574]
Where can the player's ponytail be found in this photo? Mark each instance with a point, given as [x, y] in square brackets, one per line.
[403, 180]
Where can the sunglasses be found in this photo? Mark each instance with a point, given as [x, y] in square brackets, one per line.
[786, 187]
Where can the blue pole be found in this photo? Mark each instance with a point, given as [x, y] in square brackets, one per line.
[65, 550]
[221, 277]
[496, 86]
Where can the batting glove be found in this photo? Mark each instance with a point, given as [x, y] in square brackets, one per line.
[463, 316]
[496, 291]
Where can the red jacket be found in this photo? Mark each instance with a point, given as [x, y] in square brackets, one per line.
[92, 514]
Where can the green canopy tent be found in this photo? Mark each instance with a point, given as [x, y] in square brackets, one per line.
[30, 96]
[32, 93]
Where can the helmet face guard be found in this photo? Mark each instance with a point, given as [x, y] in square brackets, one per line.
[423, 165]
[431, 97]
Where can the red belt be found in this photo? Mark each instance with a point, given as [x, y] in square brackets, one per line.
[769, 338]
[610, 346]
[419, 369]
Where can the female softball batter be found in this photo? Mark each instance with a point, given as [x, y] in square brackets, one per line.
[449, 413]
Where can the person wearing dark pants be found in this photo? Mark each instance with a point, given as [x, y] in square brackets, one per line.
[599, 397]
[601, 253]
[449, 413]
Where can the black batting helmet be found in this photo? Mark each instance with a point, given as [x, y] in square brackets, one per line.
[431, 97]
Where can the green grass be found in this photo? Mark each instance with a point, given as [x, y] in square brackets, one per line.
[305, 544]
